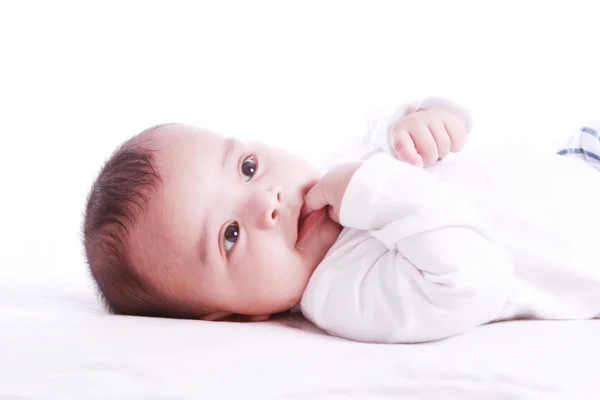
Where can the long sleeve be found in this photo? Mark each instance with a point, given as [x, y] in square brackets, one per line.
[422, 262]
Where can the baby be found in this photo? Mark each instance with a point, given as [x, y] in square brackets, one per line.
[394, 246]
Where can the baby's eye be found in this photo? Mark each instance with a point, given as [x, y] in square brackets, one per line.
[249, 167]
[230, 236]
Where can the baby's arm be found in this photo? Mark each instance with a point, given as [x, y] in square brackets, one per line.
[430, 266]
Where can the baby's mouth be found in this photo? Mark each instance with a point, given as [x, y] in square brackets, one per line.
[300, 222]
[307, 224]
[302, 214]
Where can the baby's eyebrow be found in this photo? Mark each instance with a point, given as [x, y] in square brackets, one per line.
[203, 245]
[227, 150]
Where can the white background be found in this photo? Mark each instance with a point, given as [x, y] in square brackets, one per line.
[78, 78]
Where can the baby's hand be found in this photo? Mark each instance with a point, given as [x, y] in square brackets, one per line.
[329, 191]
[426, 136]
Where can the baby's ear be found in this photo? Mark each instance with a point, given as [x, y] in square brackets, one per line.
[229, 317]
[259, 318]
[216, 316]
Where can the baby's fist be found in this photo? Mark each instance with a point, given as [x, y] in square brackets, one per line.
[329, 191]
[426, 136]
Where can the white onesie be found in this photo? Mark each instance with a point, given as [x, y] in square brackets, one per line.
[488, 235]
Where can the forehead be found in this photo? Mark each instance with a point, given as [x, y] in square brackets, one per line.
[178, 144]
[188, 159]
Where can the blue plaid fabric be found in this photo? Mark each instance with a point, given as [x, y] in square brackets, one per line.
[584, 144]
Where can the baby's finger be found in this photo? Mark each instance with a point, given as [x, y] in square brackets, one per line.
[403, 147]
[441, 137]
[456, 132]
[315, 199]
[425, 143]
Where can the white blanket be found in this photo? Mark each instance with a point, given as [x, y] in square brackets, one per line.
[99, 356]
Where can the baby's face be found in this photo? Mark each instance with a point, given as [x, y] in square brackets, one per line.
[222, 232]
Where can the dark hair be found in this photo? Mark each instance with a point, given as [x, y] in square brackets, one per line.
[119, 195]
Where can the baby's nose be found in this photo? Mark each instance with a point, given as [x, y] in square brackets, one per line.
[267, 206]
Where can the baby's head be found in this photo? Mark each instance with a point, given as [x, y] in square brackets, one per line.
[185, 223]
